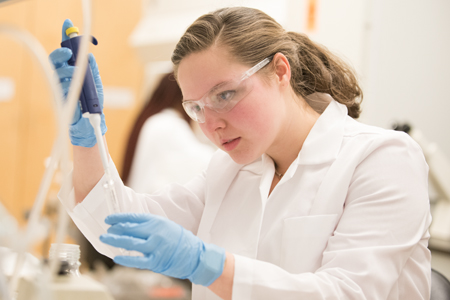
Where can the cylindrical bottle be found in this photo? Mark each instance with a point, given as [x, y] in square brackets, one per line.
[68, 257]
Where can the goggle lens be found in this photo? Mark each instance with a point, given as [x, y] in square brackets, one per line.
[194, 111]
[224, 97]
[221, 99]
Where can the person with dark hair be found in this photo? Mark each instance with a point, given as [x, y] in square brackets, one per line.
[301, 201]
[177, 156]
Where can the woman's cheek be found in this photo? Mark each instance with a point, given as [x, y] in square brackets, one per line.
[255, 114]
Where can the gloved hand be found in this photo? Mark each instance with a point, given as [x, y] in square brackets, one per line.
[81, 132]
[168, 248]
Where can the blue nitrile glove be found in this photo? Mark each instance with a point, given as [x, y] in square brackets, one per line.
[168, 248]
[81, 132]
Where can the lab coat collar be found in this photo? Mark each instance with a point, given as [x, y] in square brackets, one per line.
[323, 142]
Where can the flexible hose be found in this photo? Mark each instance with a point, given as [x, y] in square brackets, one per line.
[40, 56]
[60, 151]
[69, 110]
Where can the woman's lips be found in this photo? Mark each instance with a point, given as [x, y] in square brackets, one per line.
[231, 144]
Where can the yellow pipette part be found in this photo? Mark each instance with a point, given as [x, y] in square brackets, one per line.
[72, 30]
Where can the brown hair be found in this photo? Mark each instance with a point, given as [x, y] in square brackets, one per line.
[250, 35]
[166, 95]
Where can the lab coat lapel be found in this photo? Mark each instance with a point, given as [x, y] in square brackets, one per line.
[305, 237]
[219, 176]
[324, 141]
[322, 147]
[332, 192]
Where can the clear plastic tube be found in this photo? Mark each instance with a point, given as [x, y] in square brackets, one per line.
[68, 111]
[110, 192]
[63, 114]
[40, 55]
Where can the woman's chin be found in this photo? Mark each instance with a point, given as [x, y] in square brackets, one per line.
[243, 159]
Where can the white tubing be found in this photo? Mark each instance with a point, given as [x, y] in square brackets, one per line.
[41, 57]
[9, 2]
[69, 110]
[39, 54]
[64, 116]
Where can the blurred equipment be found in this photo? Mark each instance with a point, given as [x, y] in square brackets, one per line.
[439, 180]
[6, 2]
[440, 286]
[68, 284]
[65, 287]
[22, 276]
[129, 283]
[8, 232]
[68, 257]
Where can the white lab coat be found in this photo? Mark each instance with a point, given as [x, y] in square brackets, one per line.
[349, 219]
[167, 151]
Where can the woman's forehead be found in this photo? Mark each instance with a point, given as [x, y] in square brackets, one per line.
[199, 72]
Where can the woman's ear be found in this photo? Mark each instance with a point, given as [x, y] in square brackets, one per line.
[282, 69]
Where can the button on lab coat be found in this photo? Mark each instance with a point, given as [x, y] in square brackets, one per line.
[348, 220]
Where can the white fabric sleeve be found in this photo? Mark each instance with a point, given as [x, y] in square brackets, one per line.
[383, 228]
[181, 204]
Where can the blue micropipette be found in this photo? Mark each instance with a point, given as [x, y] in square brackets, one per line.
[91, 109]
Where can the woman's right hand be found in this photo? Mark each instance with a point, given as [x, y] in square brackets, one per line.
[81, 132]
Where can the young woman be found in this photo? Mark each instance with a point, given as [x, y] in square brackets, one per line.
[300, 202]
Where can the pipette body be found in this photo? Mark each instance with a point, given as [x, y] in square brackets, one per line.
[88, 96]
[91, 109]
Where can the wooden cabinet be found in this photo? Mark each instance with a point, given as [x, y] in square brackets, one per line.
[27, 123]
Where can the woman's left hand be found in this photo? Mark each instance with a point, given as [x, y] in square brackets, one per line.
[167, 247]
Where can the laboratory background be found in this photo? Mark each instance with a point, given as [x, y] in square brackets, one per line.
[398, 48]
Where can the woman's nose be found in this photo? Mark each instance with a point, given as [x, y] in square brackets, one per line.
[213, 120]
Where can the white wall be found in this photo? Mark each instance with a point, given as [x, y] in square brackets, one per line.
[341, 27]
[408, 74]
[401, 52]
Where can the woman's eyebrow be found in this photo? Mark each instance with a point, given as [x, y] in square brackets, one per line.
[217, 86]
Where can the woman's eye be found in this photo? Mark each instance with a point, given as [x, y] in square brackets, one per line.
[226, 95]
[196, 108]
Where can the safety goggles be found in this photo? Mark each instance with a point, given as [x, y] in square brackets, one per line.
[223, 97]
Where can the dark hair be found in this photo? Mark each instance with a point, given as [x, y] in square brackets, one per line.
[250, 35]
[166, 95]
